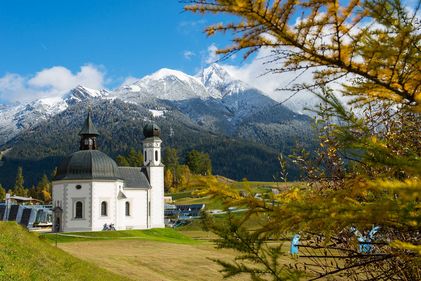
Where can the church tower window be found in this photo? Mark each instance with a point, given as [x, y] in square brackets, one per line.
[103, 208]
[79, 210]
[156, 155]
[127, 208]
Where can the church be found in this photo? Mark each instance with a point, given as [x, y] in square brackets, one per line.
[90, 190]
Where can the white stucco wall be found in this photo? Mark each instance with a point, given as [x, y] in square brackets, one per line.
[92, 194]
[105, 191]
[71, 195]
[156, 175]
[138, 218]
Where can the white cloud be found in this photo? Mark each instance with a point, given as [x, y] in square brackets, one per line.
[129, 80]
[49, 82]
[255, 73]
[188, 54]
[211, 55]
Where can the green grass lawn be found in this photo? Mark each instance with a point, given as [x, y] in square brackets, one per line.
[23, 256]
[167, 235]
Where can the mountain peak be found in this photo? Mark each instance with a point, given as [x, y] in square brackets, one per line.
[164, 73]
[214, 75]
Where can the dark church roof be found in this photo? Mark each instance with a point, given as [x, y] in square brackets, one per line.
[88, 164]
[151, 130]
[88, 127]
[134, 177]
[92, 164]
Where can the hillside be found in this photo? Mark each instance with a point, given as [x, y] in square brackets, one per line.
[23, 256]
[241, 128]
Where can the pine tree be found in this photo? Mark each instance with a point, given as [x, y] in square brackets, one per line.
[199, 163]
[122, 161]
[367, 169]
[172, 164]
[134, 158]
[19, 189]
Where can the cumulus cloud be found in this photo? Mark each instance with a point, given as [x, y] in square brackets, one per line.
[211, 55]
[255, 73]
[49, 82]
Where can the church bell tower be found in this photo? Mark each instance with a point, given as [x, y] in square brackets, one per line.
[152, 145]
[155, 171]
[88, 135]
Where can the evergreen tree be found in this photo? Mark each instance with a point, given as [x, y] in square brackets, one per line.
[19, 189]
[367, 169]
[170, 159]
[122, 161]
[172, 164]
[199, 163]
[134, 158]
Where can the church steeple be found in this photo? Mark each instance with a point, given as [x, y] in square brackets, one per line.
[88, 134]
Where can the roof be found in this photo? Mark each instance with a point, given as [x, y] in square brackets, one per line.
[134, 177]
[88, 164]
[151, 130]
[88, 127]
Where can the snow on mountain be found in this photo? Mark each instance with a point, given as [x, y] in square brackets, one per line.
[213, 82]
[81, 93]
[211, 96]
[165, 84]
[14, 119]
[219, 82]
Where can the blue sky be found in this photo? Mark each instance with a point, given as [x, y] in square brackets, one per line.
[119, 39]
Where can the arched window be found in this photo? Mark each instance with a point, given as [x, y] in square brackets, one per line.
[156, 155]
[103, 208]
[127, 208]
[79, 210]
[145, 155]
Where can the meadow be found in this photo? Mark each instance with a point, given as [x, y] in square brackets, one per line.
[185, 253]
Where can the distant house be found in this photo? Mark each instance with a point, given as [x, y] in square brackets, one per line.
[90, 190]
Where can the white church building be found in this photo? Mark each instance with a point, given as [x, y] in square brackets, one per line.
[90, 190]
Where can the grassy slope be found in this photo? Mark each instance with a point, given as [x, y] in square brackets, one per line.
[159, 235]
[23, 256]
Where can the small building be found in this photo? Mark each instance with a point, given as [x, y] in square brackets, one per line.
[90, 190]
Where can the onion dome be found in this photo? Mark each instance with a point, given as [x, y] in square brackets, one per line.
[151, 130]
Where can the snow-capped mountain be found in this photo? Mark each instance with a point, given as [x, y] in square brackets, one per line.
[81, 93]
[14, 119]
[211, 112]
[165, 84]
[212, 99]
[211, 96]
[219, 82]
